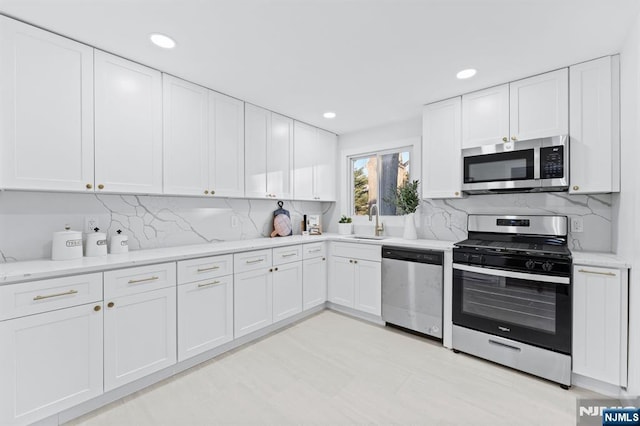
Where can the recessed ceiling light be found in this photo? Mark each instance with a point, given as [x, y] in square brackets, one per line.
[468, 73]
[329, 115]
[163, 41]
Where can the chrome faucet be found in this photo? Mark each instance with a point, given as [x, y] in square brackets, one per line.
[379, 226]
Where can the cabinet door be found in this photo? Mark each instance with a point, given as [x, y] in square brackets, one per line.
[594, 126]
[46, 110]
[205, 315]
[539, 106]
[257, 130]
[280, 157]
[441, 145]
[304, 162]
[325, 171]
[600, 320]
[128, 126]
[139, 336]
[314, 282]
[50, 362]
[341, 281]
[485, 116]
[252, 301]
[287, 290]
[226, 147]
[185, 133]
[368, 287]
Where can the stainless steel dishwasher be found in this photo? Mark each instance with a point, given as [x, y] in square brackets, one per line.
[412, 289]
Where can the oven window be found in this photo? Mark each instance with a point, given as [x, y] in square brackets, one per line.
[514, 165]
[525, 303]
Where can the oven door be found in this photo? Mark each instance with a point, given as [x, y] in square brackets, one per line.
[529, 308]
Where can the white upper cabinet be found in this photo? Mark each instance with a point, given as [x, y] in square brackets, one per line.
[226, 145]
[595, 126]
[314, 163]
[186, 137]
[280, 157]
[441, 140]
[268, 154]
[531, 108]
[539, 106]
[128, 126]
[485, 116]
[46, 110]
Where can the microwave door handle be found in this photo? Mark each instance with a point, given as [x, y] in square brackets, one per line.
[536, 163]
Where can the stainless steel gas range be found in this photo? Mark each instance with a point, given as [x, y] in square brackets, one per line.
[512, 294]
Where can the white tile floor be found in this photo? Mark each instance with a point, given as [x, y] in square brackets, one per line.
[331, 369]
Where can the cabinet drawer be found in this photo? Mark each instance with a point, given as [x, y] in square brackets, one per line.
[313, 250]
[358, 251]
[205, 268]
[251, 260]
[282, 255]
[123, 282]
[34, 297]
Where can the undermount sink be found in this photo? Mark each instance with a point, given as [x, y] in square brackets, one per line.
[367, 237]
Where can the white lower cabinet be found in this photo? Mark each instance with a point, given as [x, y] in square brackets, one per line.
[139, 335]
[287, 290]
[205, 315]
[368, 287]
[600, 323]
[342, 281]
[50, 362]
[314, 282]
[252, 301]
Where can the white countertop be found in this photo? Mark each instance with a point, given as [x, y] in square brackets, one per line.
[603, 259]
[16, 272]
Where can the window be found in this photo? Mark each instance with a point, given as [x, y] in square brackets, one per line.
[375, 178]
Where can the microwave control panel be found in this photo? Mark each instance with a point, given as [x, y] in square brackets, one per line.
[552, 162]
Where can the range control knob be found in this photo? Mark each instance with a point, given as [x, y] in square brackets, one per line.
[547, 266]
[530, 264]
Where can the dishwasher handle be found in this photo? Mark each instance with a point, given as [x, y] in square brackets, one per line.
[431, 257]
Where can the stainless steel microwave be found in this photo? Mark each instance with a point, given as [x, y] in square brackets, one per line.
[525, 166]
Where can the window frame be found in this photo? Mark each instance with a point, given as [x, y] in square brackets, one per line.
[378, 153]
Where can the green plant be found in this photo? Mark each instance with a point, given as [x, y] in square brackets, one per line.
[345, 219]
[407, 199]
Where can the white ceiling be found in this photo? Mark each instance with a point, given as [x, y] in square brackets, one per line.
[370, 61]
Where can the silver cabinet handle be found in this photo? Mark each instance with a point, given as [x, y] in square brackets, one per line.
[255, 261]
[585, 271]
[48, 296]
[289, 254]
[315, 250]
[144, 280]
[213, 268]
[208, 284]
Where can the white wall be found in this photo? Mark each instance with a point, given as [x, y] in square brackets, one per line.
[627, 203]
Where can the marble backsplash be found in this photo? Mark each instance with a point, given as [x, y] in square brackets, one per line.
[28, 219]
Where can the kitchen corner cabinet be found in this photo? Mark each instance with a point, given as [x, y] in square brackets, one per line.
[530, 108]
[355, 278]
[595, 126]
[441, 144]
[128, 126]
[314, 163]
[268, 154]
[46, 110]
[600, 323]
[50, 362]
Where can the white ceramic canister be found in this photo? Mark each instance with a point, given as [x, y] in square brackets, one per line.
[96, 244]
[66, 245]
[119, 243]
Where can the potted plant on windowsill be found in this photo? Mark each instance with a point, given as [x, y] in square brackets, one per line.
[407, 201]
[345, 227]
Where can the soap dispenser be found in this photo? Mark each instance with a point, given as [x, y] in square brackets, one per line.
[119, 243]
[96, 244]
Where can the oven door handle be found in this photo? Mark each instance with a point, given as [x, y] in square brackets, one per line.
[511, 274]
